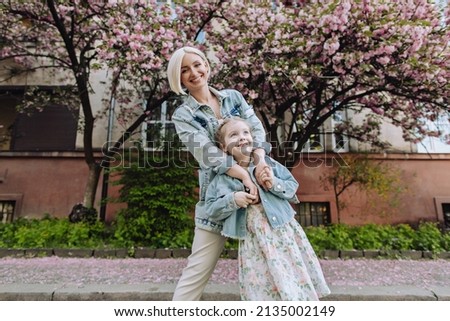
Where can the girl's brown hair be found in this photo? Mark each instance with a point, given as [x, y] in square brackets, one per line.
[219, 138]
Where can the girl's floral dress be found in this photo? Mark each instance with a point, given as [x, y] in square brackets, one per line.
[278, 264]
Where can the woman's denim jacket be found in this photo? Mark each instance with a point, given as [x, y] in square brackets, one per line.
[196, 125]
[221, 206]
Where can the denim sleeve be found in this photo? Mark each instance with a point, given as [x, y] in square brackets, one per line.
[259, 134]
[284, 184]
[200, 143]
[219, 200]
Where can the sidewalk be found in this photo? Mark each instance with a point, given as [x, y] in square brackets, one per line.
[94, 279]
[213, 292]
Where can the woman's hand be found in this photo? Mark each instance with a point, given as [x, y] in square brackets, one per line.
[265, 177]
[244, 199]
[263, 173]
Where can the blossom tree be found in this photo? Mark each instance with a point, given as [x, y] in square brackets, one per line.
[71, 39]
[298, 65]
[383, 61]
[59, 38]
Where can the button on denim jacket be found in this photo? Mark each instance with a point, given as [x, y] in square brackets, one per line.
[196, 125]
[221, 206]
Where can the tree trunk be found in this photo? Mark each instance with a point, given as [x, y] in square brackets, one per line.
[91, 185]
[338, 206]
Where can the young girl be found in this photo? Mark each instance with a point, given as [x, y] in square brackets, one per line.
[276, 260]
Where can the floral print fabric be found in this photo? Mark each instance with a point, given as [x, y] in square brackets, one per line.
[278, 264]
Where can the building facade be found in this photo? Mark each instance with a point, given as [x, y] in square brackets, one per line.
[43, 170]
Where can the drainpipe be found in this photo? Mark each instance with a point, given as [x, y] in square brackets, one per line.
[106, 166]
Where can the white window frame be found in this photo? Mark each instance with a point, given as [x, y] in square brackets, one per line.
[436, 144]
[161, 121]
[339, 117]
[315, 144]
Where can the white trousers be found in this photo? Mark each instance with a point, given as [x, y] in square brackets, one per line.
[206, 250]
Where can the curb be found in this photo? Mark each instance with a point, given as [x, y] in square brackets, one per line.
[152, 253]
[213, 292]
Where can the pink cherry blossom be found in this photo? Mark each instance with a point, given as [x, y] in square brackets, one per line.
[370, 55]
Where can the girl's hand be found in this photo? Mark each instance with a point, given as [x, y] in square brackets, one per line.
[251, 188]
[244, 199]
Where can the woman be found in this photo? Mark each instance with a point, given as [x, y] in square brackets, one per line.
[196, 120]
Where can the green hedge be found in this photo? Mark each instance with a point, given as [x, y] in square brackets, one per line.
[60, 233]
[161, 201]
[427, 237]
[53, 233]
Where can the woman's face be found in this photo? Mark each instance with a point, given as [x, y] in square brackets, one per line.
[194, 72]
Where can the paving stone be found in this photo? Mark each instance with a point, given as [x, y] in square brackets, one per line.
[143, 252]
[12, 252]
[371, 254]
[415, 255]
[330, 254]
[350, 254]
[73, 252]
[181, 253]
[38, 252]
[163, 253]
[105, 253]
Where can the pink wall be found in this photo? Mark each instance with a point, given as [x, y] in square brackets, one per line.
[426, 177]
[53, 184]
[49, 184]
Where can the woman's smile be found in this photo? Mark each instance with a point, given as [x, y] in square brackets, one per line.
[194, 72]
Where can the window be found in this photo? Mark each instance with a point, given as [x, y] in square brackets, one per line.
[437, 144]
[315, 143]
[7, 116]
[7, 211]
[339, 141]
[52, 129]
[446, 211]
[326, 138]
[313, 213]
[159, 131]
[442, 206]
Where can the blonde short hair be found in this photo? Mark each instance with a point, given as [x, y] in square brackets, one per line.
[174, 68]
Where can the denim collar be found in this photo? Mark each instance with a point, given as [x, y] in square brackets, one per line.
[193, 104]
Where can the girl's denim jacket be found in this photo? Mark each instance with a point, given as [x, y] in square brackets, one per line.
[196, 125]
[221, 206]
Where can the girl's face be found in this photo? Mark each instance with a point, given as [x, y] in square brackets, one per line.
[237, 139]
[194, 72]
